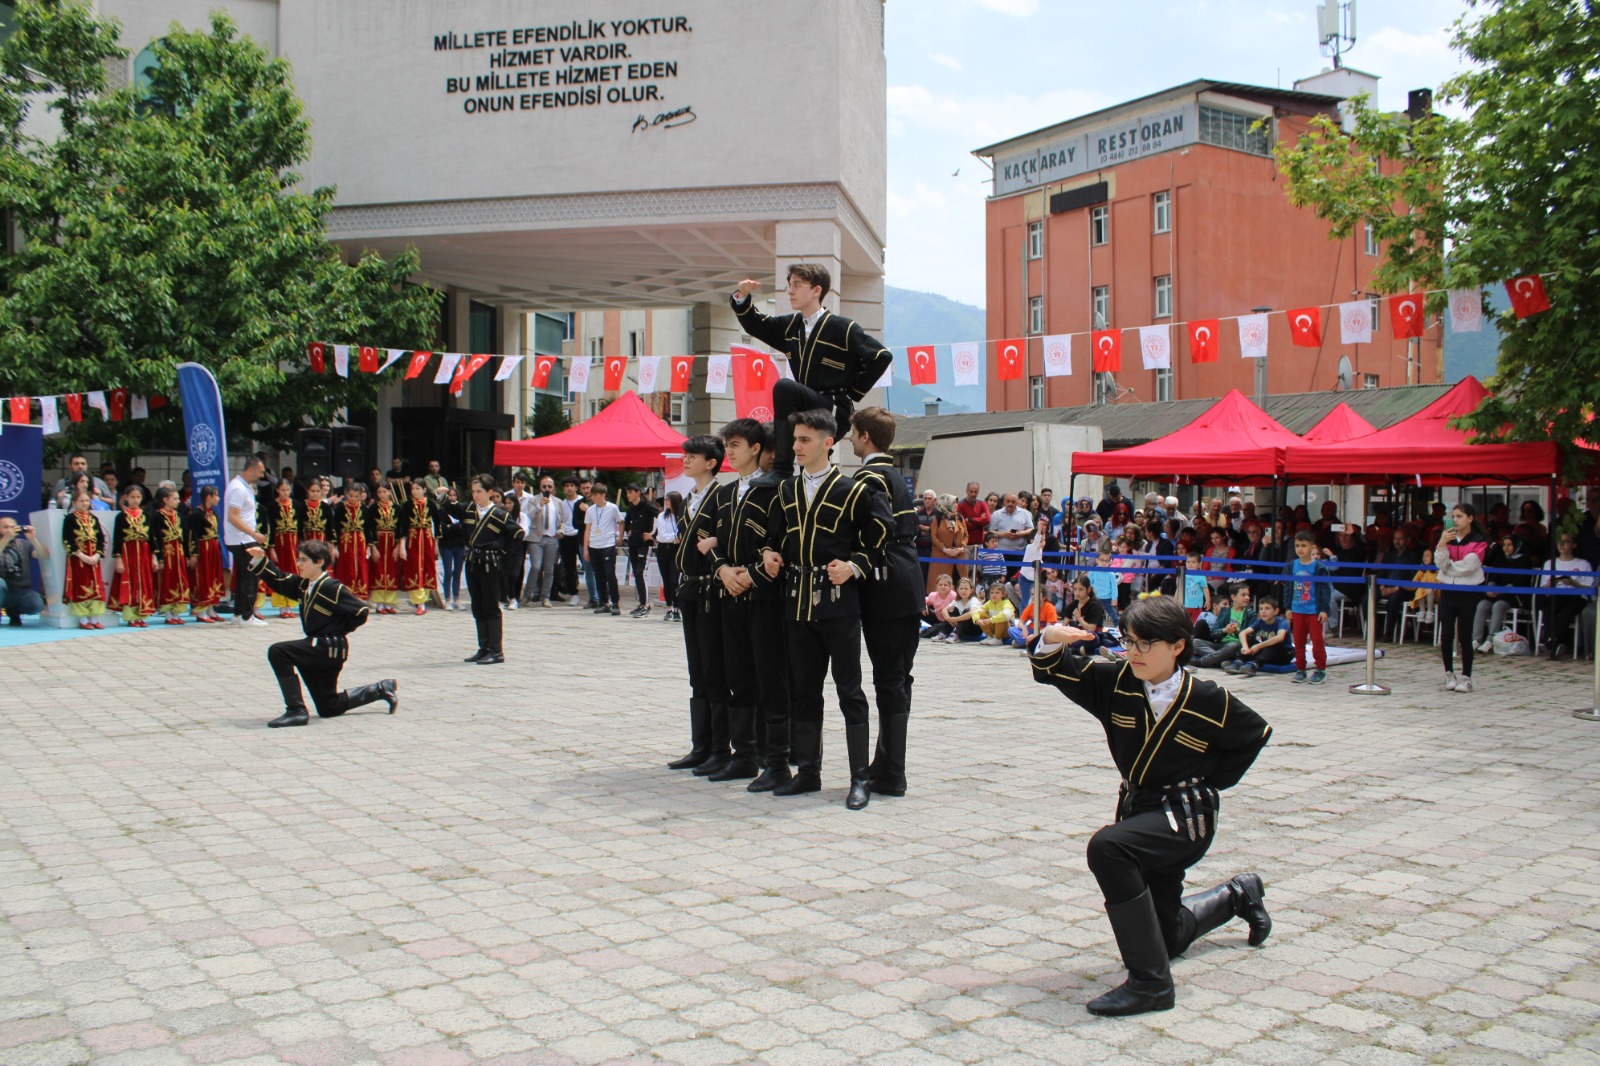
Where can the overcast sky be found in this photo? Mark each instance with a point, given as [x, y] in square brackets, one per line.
[967, 73]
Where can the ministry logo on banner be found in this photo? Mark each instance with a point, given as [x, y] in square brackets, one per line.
[1058, 355]
[965, 361]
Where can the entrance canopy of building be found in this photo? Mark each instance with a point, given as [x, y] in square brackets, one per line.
[1233, 442]
[625, 435]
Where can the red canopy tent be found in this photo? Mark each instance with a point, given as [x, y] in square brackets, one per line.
[626, 435]
[1233, 442]
[1339, 424]
[1425, 447]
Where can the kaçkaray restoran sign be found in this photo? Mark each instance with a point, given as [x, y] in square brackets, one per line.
[1078, 153]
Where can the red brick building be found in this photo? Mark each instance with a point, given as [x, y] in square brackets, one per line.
[1169, 208]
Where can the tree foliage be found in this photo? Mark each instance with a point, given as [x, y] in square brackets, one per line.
[168, 225]
[1510, 188]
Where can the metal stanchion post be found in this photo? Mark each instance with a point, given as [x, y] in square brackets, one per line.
[1371, 686]
[1591, 713]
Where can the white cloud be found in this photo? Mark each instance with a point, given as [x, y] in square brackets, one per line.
[1020, 8]
[945, 61]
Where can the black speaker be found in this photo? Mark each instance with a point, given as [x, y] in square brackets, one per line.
[314, 452]
[349, 452]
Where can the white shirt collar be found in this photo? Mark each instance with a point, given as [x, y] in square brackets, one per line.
[812, 319]
[1161, 694]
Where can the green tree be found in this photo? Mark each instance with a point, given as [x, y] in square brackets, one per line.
[548, 416]
[167, 225]
[1510, 188]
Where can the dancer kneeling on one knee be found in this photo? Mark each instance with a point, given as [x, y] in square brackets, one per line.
[1178, 742]
[329, 613]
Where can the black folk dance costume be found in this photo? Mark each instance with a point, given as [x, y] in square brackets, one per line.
[835, 364]
[891, 620]
[756, 661]
[329, 612]
[700, 597]
[1178, 744]
[816, 519]
[488, 534]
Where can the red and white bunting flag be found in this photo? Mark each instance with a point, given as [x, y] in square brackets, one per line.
[616, 369]
[649, 370]
[1058, 355]
[75, 406]
[1466, 310]
[341, 360]
[717, 375]
[419, 363]
[119, 403]
[1253, 333]
[752, 383]
[1010, 358]
[1355, 322]
[1527, 295]
[542, 365]
[157, 401]
[368, 360]
[1107, 350]
[1405, 315]
[508, 366]
[682, 370]
[49, 419]
[97, 400]
[464, 371]
[578, 376]
[1305, 327]
[21, 410]
[966, 363]
[391, 356]
[447, 367]
[140, 408]
[317, 352]
[923, 363]
[759, 373]
[1203, 341]
[1155, 346]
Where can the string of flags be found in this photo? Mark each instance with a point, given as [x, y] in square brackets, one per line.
[113, 404]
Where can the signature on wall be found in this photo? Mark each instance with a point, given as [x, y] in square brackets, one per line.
[666, 120]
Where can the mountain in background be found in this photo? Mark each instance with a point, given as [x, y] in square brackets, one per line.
[927, 318]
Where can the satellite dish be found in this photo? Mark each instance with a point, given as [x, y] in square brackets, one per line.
[1346, 375]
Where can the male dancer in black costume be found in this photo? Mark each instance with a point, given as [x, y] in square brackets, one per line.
[700, 597]
[891, 605]
[1178, 742]
[329, 613]
[835, 362]
[490, 530]
[821, 528]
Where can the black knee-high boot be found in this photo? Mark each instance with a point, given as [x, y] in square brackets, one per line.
[889, 760]
[699, 737]
[807, 747]
[741, 733]
[1144, 953]
[386, 690]
[720, 753]
[858, 740]
[1240, 897]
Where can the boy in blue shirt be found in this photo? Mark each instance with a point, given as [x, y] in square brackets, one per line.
[1196, 592]
[1309, 602]
[991, 561]
[1264, 643]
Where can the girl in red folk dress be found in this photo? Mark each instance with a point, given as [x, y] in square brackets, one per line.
[133, 588]
[283, 523]
[316, 515]
[383, 520]
[350, 553]
[166, 544]
[419, 552]
[85, 591]
[206, 580]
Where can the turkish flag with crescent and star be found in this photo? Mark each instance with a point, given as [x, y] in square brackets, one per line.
[616, 367]
[119, 403]
[1305, 326]
[1527, 295]
[1405, 315]
[682, 368]
[752, 385]
[1011, 356]
[21, 409]
[75, 406]
[542, 365]
[367, 361]
[419, 363]
[1203, 340]
[924, 367]
[1107, 350]
[317, 351]
[464, 371]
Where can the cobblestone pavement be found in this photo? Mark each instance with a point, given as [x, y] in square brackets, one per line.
[505, 872]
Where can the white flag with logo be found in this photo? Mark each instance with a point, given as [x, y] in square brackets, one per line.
[341, 360]
[97, 400]
[717, 374]
[1058, 355]
[1253, 336]
[447, 368]
[966, 363]
[1355, 322]
[578, 377]
[649, 370]
[1466, 311]
[888, 375]
[49, 420]
[391, 357]
[1155, 346]
[140, 406]
[508, 366]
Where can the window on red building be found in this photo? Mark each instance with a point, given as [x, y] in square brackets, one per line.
[1164, 296]
[1036, 314]
[1100, 225]
[1036, 240]
[1102, 306]
[1161, 207]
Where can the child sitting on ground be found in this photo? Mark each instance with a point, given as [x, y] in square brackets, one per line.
[1264, 643]
[1218, 643]
[994, 615]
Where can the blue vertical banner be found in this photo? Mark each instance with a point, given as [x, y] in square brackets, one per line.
[204, 432]
[21, 471]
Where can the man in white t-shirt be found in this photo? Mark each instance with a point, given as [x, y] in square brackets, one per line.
[239, 533]
[600, 526]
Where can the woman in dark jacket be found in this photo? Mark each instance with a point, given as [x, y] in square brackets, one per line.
[1510, 553]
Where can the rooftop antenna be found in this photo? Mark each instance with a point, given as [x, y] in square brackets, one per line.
[1336, 29]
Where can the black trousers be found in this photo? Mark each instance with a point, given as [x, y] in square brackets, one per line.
[511, 569]
[638, 555]
[483, 585]
[1144, 851]
[567, 572]
[702, 640]
[667, 559]
[1454, 618]
[789, 396]
[816, 646]
[604, 563]
[757, 665]
[319, 664]
[244, 598]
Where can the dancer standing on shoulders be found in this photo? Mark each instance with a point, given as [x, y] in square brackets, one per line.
[1178, 742]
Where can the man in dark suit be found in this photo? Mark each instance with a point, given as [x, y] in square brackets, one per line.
[835, 362]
